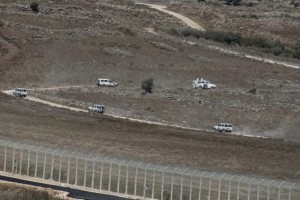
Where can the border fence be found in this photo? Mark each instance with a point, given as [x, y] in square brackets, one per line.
[139, 179]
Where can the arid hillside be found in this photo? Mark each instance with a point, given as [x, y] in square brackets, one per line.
[73, 43]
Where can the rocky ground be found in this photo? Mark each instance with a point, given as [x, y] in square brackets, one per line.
[74, 44]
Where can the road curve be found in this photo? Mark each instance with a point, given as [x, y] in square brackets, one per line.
[194, 25]
[186, 20]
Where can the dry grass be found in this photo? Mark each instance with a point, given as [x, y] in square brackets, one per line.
[10, 191]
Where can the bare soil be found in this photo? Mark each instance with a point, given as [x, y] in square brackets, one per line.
[75, 44]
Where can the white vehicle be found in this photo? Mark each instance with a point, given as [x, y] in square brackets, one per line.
[224, 127]
[96, 108]
[204, 84]
[20, 92]
[106, 82]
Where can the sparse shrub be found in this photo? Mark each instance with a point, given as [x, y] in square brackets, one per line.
[147, 85]
[231, 38]
[296, 53]
[277, 50]
[126, 30]
[296, 5]
[34, 7]
[252, 91]
[233, 2]
[250, 4]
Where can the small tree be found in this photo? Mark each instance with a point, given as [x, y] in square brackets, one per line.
[147, 85]
[34, 7]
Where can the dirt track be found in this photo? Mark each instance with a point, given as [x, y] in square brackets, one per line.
[74, 45]
[194, 25]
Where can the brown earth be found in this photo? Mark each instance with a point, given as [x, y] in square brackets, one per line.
[13, 191]
[67, 44]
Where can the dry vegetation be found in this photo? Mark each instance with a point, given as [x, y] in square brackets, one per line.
[68, 43]
[10, 191]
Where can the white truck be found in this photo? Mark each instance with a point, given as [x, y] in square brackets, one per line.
[203, 84]
[106, 82]
[97, 108]
[20, 92]
[224, 127]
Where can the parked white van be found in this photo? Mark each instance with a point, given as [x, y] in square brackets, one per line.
[106, 82]
[20, 92]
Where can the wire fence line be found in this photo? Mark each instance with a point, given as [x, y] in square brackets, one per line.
[139, 179]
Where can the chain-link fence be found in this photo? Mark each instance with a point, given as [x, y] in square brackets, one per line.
[140, 179]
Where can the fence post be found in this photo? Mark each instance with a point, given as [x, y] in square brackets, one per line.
[45, 159]
[220, 182]
[52, 164]
[119, 176]
[13, 159]
[172, 180]
[268, 195]
[93, 173]
[145, 181]
[200, 184]
[60, 163]
[76, 169]
[258, 188]
[28, 157]
[209, 186]
[136, 176]
[69, 166]
[5, 156]
[85, 170]
[279, 189]
[36, 161]
[21, 159]
[238, 189]
[162, 182]
[249, 188]
[191, 184]
[181, 183]
[109, 179]
[229, 187]
[290, 191]
[101, 173]
[153, 183]
[126, 184]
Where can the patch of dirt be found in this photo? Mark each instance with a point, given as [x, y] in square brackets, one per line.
[74, 43]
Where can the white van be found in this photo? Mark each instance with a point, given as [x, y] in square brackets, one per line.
[96, 108]
[224, 127]
[20, 92]
[106, 82]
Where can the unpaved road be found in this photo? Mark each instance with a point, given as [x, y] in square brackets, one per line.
[186, 20]
[194, 25]
[34, 99]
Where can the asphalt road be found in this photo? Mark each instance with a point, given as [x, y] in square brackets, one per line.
[73, 193]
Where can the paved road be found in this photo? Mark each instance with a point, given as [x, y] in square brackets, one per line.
[73, 193]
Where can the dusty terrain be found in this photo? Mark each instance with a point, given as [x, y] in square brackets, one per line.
[13, 191]
[68, 44]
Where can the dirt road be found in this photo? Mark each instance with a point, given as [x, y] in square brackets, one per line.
[194, 25]
[34, 99]
[186, 20]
